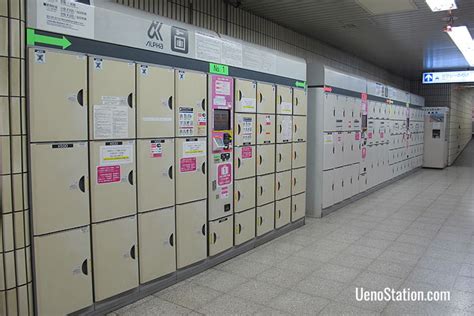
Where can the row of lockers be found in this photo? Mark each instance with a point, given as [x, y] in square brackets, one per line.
[385, 111]
[401, 140]
[381, 128]
[341, 148]
[400, 154]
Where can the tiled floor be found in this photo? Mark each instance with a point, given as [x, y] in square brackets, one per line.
[417, 233]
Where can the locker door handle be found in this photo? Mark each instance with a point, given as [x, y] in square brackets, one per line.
[297, 101]
[261, 191]
[281, 129]
[130, 100]
[170, 102]
[133, 253]
[82, 183]
[84, 267]
[294, 208]
[240, 95]
[203, 104]
[172, 240]
[80, 97]
[296, 128]
[281, 99]
[238, 195]
[261, 128]
[260, 159]
[279, 213]
[294, 155]
[214, 238]
[238, 129]
[294, 181]
[261, 220]
[279, 157]
[279, 185]
[238, 163]
[203, 167]
[130, 177]
[261, 98]
[203, 230]
[170, 172]
[239, 229]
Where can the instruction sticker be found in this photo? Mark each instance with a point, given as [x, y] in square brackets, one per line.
[268, 120]
[357, 136]
[202, 119]
[116, 155]
[110, 121]
[188, 164]
[248, 104]
[286, 107]
[246, 129]
[247, 152]
[186, 121]
[328, 139]
[194, 149]
[108, 174]
[156, 150]
[224, 174]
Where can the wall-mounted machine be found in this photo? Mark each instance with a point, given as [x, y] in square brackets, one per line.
[436, 137]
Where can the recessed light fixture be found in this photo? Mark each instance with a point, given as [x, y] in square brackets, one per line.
[442, 5]
[463, 40]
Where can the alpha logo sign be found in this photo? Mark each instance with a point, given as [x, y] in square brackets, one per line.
[154, 35]
[448, 77]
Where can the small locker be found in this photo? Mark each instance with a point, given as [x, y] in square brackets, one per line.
[191, 103]
[348, 148]
[299, 181]
[112, 99]
[300, 101]
[265, 129]
[244, 226]
[265, 159]
[156, 236]
[356, 108]
[155, 101]
[191, 232]
[284, 100]
[191, 179]
[299, 155]
[265, 219]
[338, 149]
[282, 212]
[244, 162]
[245, 96]
[114, 245]
[299, 128]
[265, 98]
[338, 185]
[63, 272]
[244, 194]
[221, 235]
[58, 110]
[330, 101]
[348, 182]
[329, 151]
[282, 185]
[355, 179]
[245, 125]
[60, 195]
[348, 113]
[298, 206]
[113, 189]
[283, 129]
[283, 156]
[265, 189]
[155, 174]
[340, 111]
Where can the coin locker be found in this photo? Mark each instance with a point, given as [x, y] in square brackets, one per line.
[329, 149]
[191, 232]
[63, 272]
[282, 185]
[330, 101]
[265, 129]
[245, 125]
[155, 174]
[298, 206]
[191, 103]
[283, 156]
[282, 212]
[113, 179]
[60, 195]
[221, 235]
[348, 182]
[265, 159]
[265, 189]
[338, 149]
[299, 155]
[299, 128]
[155, 101]
[156, 236]
[340, 111]
[284, 100]
[114, 245]
[112, 94]
[355, 179]
[191, 179]
[58, 110]
[244, 162]
[265, 98]
[338, 185]
[244, 226]
[283, 129]
[265, 218]
[300, 102]
[328, 188]
[244, 194]
[245, 96]
[299, 180]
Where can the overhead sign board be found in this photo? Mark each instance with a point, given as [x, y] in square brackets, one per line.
[448, 77]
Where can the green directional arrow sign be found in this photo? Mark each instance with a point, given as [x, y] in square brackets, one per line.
[32, 39]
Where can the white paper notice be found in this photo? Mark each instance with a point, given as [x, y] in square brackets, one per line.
[194, 149]
[116, 154]
[248, 104]
[286, 127]
[328, 138]
[286, 107]
[231, 53]
[110, 121]
[208, 47]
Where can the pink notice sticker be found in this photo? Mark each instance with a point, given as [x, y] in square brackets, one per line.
[247, 152]
[224, 174]
[156, 151]
[370, 134]
[222, 92]
[108, 174]
[357, 136]
[381, 135]
[364, 152]
[188, 164]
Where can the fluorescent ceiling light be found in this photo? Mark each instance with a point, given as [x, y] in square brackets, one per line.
[463, 40]
[441, 5]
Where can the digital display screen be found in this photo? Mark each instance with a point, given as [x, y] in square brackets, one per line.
[221, 120]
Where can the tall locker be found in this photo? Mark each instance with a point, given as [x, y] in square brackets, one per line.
[155, 101]
[282, 185]
[338, 184]
[300, 102]
[114, 245]
[299, 128]
[299, 181]
[112, 99]
[221, 235]
[265, 219]
[265, 98]
[265, 159]
[244, 162]
[299, 155]
[63, 272]
[298, 206]
[348, 182]
[244, 226]
[245, 125]
[265, 189]
[329, 151]
[283, 129]
[245, 96]
[283, 157]
[244, 194]
[282, 212]
[265, 129]
[330, 101]
[58, 110]
[284, 100]
[59, 190]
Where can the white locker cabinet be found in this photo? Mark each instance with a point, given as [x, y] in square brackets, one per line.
[63, 272]
[298, 206]
[191, 103]
[284, 100]
[191, 232]
[282, 212]
[221, 235]
[245, 96]
[156, 242]
[282, 185]
[58, 110]
[330, 101]
[155, 101]
[155, 174]
[298, 181]
[299, 155]
[329, 151]
[244, 162]
[60, 195]
[348, 182]
[283, 156]
[114, 245]
[265, 98]
[284, 129]
[191, 179]
[338, 184]
[265, 129]
[113, 179]
[265, 189]
[299, 128]
[338, 149]
[300, 102]
[265, 159]
[112, 99]
[244, 194]
[244, 226]
[265, 219]
[245, 126]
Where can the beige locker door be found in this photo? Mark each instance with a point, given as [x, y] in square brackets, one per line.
[112, 99]
[284, 100]
[60, 192]
[299, 181]
[114, 245]
[113, 178]
[245, 126]
[265, 129]
[298, 204]
[265, 159]
[191, 179]
[284, 129]
[299, 155]
[265, 189]
[245, 96]
[299, 128]
[283, 157]
[244, 226]
[155, 174]
[63, 272]
[265, 219]
[221, 235]
[266, 98]
[244, 194]
[282, 185]
[191, 103]
[300, 102]
[58, 96]
[155, 101]
[282, 212]
[156, 233]
[191, 242]
[244, 162]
